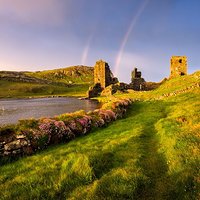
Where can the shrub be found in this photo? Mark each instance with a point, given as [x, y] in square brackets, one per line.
[79, 126]
[105, 116]
[70, 116]
[56, 130]
[38, 139]
[86, 122]
[28, 123]
[6, 130]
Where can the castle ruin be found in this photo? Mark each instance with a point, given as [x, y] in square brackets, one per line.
[103, 74]
[103, 77]
[137, 82]
[178, 66]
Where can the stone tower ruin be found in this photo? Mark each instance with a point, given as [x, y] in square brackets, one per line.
[103, 77]
[137, 82]
[103, 74]
[178, 66]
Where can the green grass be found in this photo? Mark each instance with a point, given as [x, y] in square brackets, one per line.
[151, 154]
[11, 89]
[171, 85]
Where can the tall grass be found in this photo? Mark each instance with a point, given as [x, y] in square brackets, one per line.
[151, 154]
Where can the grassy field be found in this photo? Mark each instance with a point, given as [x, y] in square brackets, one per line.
[153, 153]
[169, 86]
[10, 89]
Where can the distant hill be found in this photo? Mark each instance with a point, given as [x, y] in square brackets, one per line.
[71, 81]
[69, 75]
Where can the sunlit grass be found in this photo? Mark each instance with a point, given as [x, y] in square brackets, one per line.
[145, 155]
[11, 89]
[153, 153]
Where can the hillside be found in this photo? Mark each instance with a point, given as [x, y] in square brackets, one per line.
[153, 153]
[70, 75]
[71, 81]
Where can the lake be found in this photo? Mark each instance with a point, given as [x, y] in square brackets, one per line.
[14, 109]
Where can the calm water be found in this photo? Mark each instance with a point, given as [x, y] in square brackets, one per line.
[13, 110]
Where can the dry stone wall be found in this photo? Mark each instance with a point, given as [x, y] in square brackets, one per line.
[45, 132]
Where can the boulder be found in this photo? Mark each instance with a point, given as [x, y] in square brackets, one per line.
[14, 145]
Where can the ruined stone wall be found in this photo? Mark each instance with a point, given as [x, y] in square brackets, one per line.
[16, 142]
[99, 73]
[103, 74]
[137, 82]
[136, 74]
[178, 66]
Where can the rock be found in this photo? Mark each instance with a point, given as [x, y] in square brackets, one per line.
[94, 91]
[27, 150]
[7, 135]
[18, 151]
[7, 153]
[20, 136]
[17, 144]
[112, 89]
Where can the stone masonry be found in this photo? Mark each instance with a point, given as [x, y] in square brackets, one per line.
[137, 82]
[178, 66]
[103, 77]
[103, 74]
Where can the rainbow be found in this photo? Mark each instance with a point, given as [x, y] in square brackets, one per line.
[126, 36]
[86, 50]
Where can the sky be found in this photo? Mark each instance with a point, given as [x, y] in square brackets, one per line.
[38, 35]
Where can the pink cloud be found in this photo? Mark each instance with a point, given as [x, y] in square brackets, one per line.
[33, 11]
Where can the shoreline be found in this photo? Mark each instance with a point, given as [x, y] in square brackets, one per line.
[45, 99]
[42, 97]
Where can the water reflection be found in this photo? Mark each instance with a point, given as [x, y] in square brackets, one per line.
[13, 110]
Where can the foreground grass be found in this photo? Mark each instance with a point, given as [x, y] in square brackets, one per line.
[151, 154]
[11, 89]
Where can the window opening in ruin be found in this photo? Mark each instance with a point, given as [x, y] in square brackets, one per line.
[180, 60]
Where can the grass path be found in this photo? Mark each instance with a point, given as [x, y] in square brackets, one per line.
[153, 164]
[121, 161]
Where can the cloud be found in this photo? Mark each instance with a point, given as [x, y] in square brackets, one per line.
[34, 11]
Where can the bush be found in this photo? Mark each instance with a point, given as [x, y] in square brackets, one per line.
[39, 133]
[38, 139]
[56, 130]
[28, 123]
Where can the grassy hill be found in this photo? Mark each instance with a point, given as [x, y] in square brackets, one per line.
[69, 75]
[71, 81]
[153, 153]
